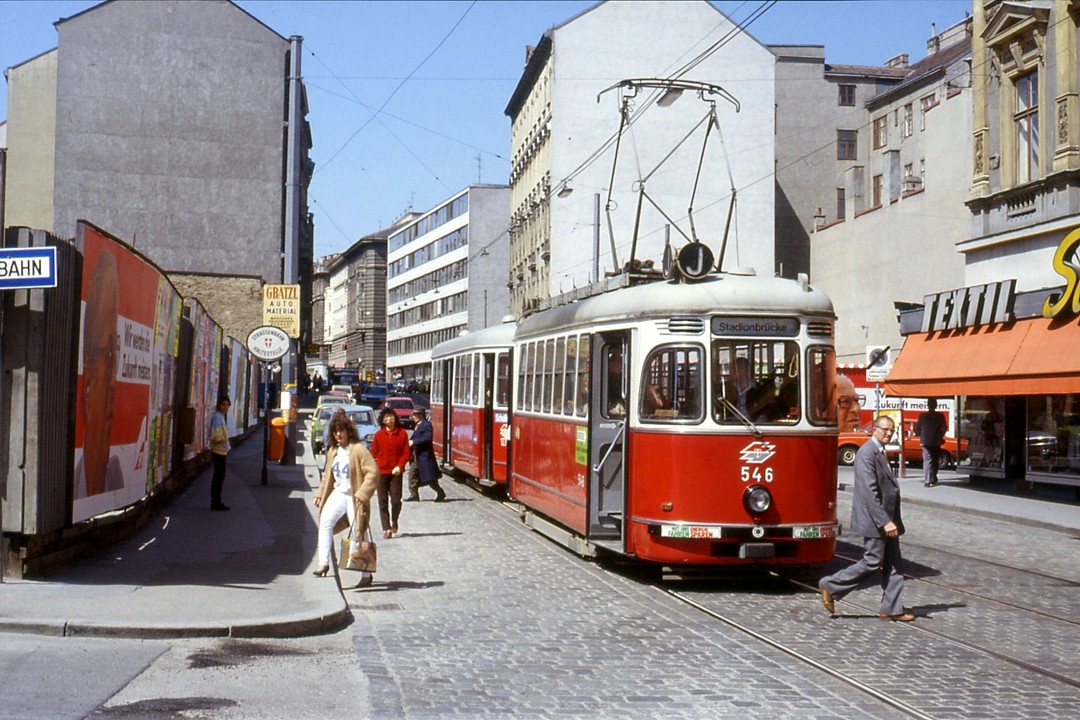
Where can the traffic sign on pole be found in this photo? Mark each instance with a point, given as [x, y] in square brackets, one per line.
[879, 361]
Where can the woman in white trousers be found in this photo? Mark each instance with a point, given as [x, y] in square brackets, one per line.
[344, 495]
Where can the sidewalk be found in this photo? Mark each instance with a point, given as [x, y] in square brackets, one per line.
[983, 498]
[196, 573]
[247, 573]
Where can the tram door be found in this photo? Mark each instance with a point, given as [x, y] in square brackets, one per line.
[488, 422]
[444, 368]
[607, 433]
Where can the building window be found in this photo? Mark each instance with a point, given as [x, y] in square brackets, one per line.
[1026, 119]
[847, 144]
[907, 126]
[925, 104]
[881, 132]
[877, 191]
[841, 204]
[846, 96]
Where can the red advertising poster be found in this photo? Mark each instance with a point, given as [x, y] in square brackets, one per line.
[118, 374]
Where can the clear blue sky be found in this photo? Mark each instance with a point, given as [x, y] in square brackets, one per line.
[442, 73]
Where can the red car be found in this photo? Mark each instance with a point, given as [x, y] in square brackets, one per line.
[403, 407]
[848, 444]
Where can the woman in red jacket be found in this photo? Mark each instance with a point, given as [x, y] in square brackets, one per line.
[391, 450]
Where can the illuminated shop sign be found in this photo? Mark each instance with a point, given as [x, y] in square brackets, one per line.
[970, 307]
[1065, 265]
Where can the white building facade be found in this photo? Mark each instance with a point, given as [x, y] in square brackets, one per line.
[564, 144]
[446, 271]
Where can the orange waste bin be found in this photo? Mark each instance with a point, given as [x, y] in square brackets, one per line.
[276, 446]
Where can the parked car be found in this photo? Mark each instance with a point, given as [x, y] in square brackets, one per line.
[332, 398]
[403, 407]
[848, 444]
[362, 415]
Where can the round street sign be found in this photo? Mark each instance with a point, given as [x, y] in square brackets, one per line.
[268, 343]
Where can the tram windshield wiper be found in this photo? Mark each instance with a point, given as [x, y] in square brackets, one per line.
[743, 419]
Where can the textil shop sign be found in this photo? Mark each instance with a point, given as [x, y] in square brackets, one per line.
[281, 308]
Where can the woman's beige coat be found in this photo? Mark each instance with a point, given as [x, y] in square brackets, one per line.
[363, 476]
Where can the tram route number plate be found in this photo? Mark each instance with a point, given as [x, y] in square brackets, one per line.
[692, 532]
[813, 532]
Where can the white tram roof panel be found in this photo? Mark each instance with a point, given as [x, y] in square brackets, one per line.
[496, 336]
[725, 293]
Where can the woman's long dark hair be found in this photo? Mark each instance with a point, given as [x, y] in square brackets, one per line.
[341, 421]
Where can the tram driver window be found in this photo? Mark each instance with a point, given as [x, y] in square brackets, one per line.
[755, 381]
[671, 385]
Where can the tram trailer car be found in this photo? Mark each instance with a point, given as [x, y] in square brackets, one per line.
[470, 404]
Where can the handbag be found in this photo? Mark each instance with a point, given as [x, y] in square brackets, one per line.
[363, 557]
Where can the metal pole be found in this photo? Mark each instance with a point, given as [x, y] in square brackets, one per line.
[291, 264]
[596, 238]
[265, 418]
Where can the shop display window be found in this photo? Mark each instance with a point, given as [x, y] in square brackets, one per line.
[982, 424]
[1053, 433]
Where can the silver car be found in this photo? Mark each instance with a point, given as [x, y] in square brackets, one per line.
[361, 415]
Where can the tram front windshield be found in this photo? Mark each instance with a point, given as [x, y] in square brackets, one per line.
[755, 381]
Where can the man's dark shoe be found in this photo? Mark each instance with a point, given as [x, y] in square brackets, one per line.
[220, 507]
[413, 498]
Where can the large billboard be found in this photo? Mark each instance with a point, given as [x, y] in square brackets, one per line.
[127, 354]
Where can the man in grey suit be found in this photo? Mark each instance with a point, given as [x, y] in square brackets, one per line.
[875, 514]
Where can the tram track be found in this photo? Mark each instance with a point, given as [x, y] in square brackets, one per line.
[790, 651]
[982, 596]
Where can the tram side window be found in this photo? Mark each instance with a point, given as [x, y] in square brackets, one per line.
[521, 401]
[530, 390]
[502, 380]
[457, 393]
[671, 386]
[567, 399]
[558, 376]
[549, 362]
[756, 381]
[821, 385]
[584, 344]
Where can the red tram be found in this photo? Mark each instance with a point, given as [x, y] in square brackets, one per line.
[677, 423]
[470, 403]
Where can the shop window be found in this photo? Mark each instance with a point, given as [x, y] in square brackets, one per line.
[981, 425]
[1053, 434]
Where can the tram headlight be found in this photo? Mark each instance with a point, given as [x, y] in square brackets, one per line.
[757, 499]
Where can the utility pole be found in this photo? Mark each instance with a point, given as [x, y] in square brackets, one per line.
[291, 254]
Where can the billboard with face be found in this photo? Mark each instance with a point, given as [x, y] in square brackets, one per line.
[127, 353]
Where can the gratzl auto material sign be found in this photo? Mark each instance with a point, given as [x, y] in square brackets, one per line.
[281, 308]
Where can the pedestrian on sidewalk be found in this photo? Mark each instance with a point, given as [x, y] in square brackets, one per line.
[931, 428]
[219, 450]
[344, 495]
[425, 469]
[875, 514]
[390, 447]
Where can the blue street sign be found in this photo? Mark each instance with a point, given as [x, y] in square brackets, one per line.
[22, 268]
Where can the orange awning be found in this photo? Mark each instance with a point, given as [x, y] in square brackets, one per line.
[1028, 357]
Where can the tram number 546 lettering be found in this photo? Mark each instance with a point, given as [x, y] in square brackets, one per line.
[757, 474]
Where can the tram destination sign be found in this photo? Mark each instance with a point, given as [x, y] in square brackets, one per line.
[743, 325]
[22, 268]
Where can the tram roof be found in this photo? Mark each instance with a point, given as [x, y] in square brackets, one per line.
[495, 336]
[722, 293]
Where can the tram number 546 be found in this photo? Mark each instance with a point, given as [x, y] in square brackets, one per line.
[758, 474]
